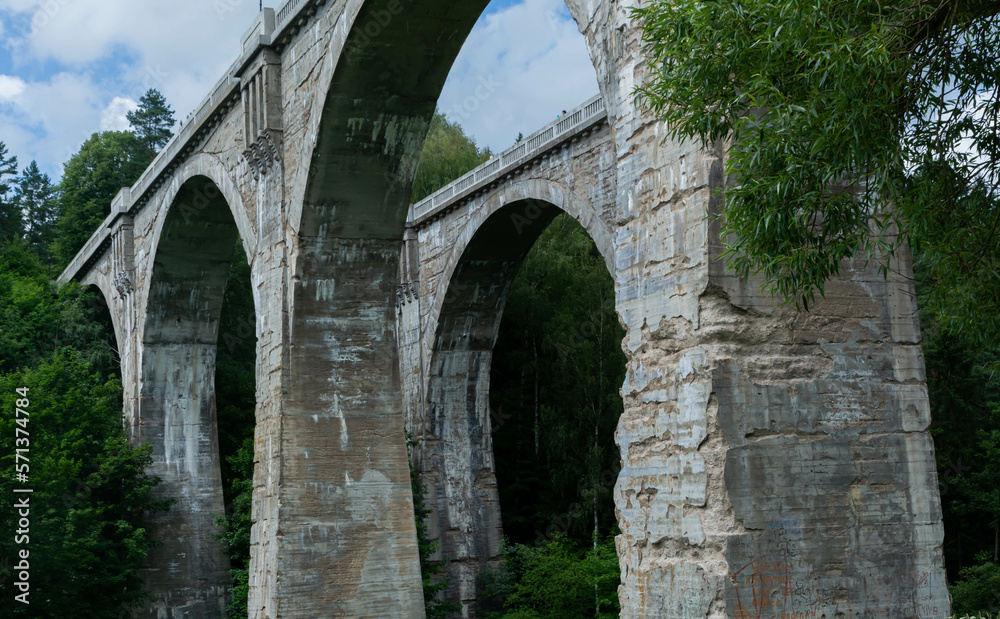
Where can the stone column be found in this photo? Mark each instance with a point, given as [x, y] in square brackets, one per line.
[775, 463]
[334, 531]
[409, 329]
[188, 573]
[458, 447]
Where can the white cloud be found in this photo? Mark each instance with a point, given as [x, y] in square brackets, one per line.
[164, 31]
[11, 87]
[113, 118]
[49, 120]
[106, 51]
[179, 47]
[519, 68]
[530, 55]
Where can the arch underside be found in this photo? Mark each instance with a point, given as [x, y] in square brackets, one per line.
[177, 412]
[377, 112]
[457, 462]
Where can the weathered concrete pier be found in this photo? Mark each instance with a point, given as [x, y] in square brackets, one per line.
[775, 464]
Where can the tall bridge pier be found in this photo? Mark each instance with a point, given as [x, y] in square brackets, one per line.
[774, 463]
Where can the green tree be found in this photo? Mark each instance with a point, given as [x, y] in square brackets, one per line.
[560, 578]
[847, 122]
[235, 366]
[554, 384]
[235, 390]
[36, 200]
[447, 154]
[978, 488]
[91, 178]
[965, 423]
[152, 122]
[979, 589]
[433, 584]
[11, 225]
[37, 318]
[235, 537]
[87, 539]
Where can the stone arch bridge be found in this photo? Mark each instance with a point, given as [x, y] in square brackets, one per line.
[775, 464]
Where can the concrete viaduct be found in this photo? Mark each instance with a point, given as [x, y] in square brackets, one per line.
[774, 464]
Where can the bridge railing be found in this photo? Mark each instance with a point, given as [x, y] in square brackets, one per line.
[525, 150]
[192, 130]
[285, 13]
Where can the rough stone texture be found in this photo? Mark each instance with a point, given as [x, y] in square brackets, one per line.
[468, 255]
[775, 464]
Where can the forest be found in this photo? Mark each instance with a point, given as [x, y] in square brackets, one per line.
[557, 370]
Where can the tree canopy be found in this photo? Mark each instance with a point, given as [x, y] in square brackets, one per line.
[848, 122]
[90, 495]
[36, 201]
[153, 122]
[106, 162]
[10, 215]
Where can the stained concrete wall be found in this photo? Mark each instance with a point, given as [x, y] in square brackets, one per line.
[767, 456]
[466, 259]
[744, 483]
[775, 463]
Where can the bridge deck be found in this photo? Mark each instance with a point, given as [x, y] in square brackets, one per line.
[545, 139]
[288, 18]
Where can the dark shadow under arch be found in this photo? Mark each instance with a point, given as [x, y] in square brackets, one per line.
[458, 465]
[177, 408]
[100, 312]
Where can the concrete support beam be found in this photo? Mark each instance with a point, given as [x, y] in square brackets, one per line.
[188, 573]
[345, 538]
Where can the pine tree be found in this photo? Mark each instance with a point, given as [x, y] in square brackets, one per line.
[152, 122]
[10, 217]
[36, 201]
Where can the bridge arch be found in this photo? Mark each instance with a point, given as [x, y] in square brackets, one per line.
[380, 83]
[377, 88]
[457, 454]
[345, 92]
[222, 186]
[190, 264]
[532, 191]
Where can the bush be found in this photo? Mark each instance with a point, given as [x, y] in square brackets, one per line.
[979, 588]
[560, 578]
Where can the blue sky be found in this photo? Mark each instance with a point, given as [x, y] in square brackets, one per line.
[69, 68]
